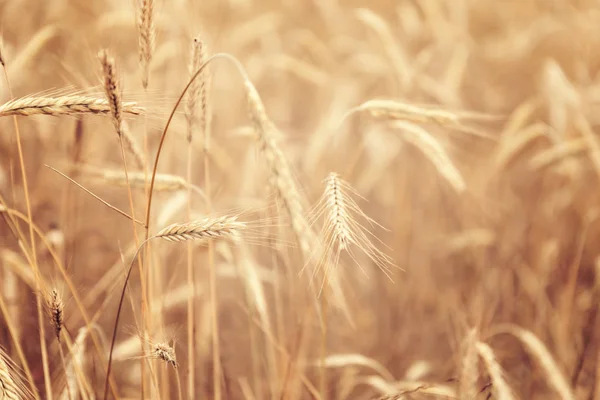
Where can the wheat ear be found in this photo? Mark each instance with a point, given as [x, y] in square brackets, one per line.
[208, 228]
[500, 386]
[198, 90]
[281, 174]
[434, 152]
[342, 227]
[56, 309]
[111, 89]
[146, 38]
[12, 386]
[64, 105]
[536, 348]
[137, 180]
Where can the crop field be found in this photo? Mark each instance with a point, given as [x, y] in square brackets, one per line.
[310, 199]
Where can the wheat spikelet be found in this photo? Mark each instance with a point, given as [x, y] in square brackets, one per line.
[434, 152]
[146, 38]
[12, 386]
[469, 371]
[56, 309]
[198, 89]
[501, 388]
[207, 228]
[64, 105]
[111, 89]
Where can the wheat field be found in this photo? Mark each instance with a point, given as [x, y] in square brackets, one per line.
[319, 199]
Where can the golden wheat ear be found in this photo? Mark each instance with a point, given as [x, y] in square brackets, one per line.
[12, 383]
[56, 309]
[207, 228]
[343, 230]
[63, 105]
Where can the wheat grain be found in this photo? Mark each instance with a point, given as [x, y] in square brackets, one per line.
[207, 228]
[146, 38]
[64, 105]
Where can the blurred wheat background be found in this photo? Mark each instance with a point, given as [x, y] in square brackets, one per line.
[353, 200]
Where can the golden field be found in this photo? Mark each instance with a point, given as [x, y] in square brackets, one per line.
[313, 199]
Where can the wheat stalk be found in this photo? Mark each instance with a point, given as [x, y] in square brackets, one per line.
[64, 105]
[207, 228]
[146, 38]
[71, 389]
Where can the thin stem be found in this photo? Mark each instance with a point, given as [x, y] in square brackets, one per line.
[144, 301]
[12, 331]
[192, 287]
[179, 392]
[64, 364]
[117, 317]
[42, 332]
[70, 285]
[118, 210]
[323, 371]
